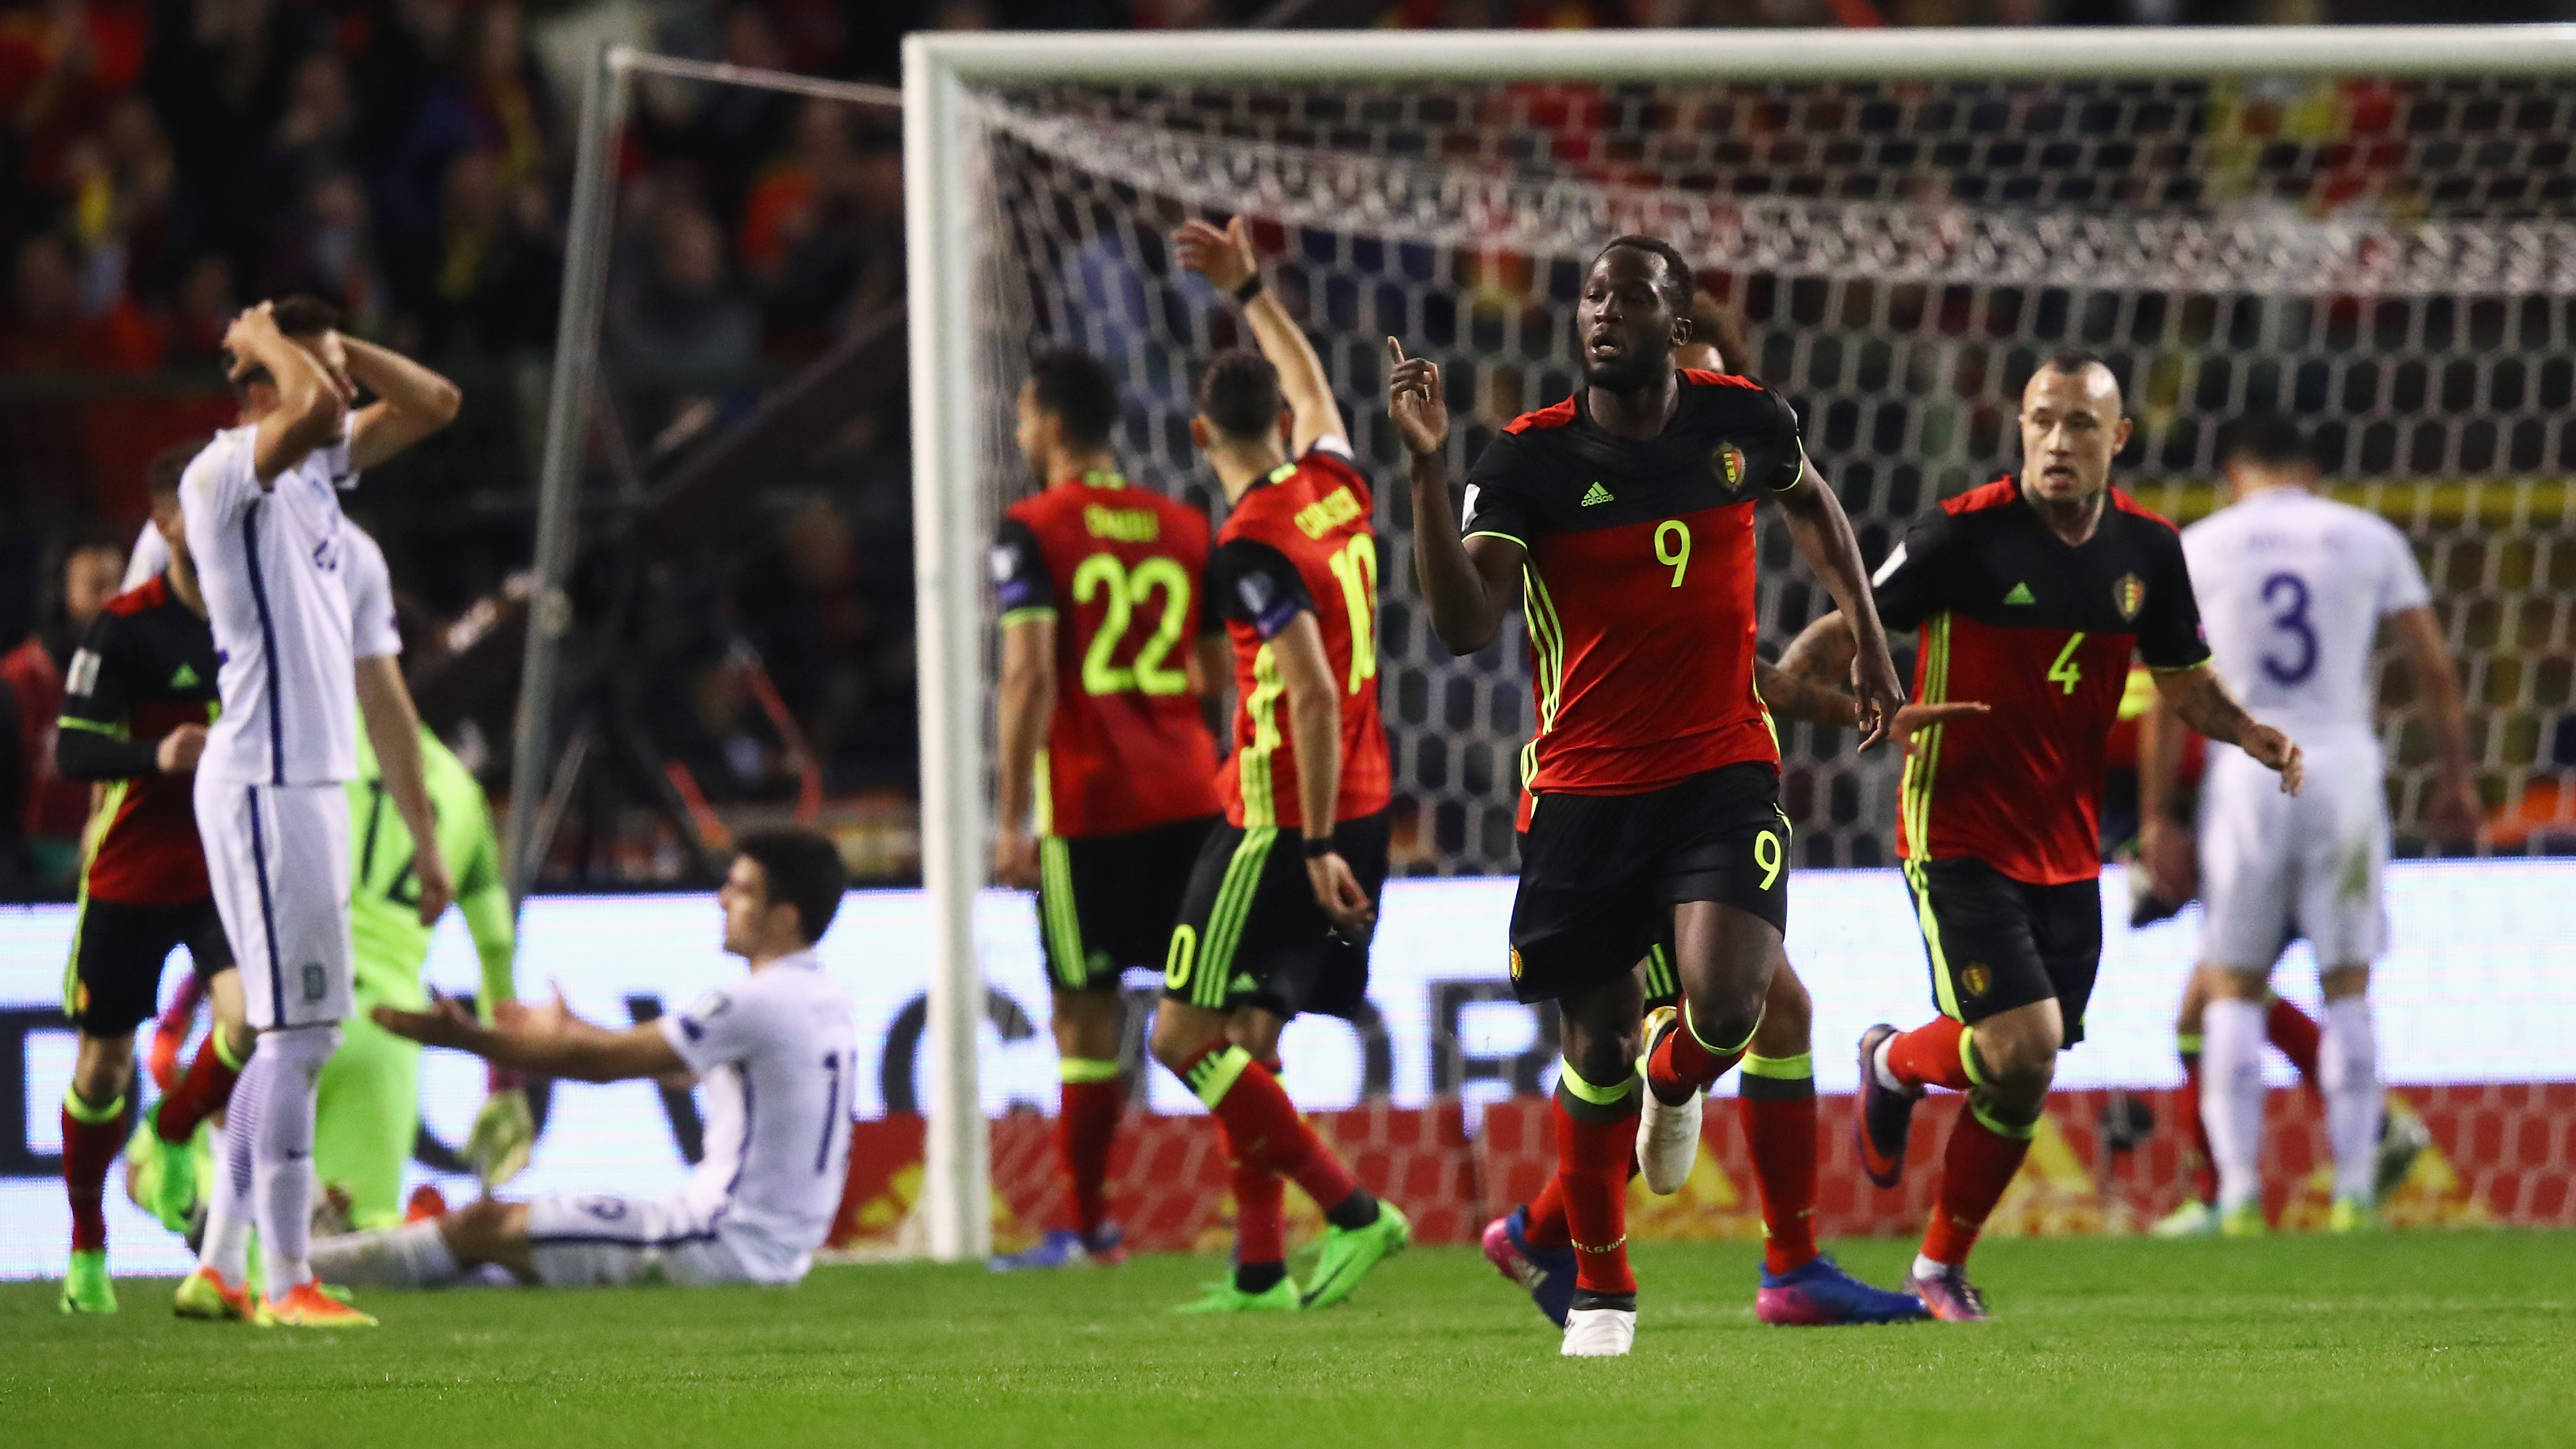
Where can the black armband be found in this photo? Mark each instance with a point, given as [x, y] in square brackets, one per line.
[1250, 289]
[1317, 847]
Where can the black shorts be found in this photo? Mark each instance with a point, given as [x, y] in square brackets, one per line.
[1107, 902]
[114, 983]
[1600, 874]
[1995, 943]
[1250, 933]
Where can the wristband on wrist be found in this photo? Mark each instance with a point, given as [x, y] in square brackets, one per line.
[1250, 289]
[1317, 847]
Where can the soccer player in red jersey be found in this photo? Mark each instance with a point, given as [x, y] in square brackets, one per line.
[136, 701]
[2031, 593]
[1108, 768]
[1651, 790]
[1284, 893]
[1775, 1103]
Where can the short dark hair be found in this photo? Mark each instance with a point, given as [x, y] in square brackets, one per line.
[1075, 389]
[2266, 440]
[1238, 393]
[305, 315]
[801, 868]
[2076, 359]
[170, 465]
[1685, 283]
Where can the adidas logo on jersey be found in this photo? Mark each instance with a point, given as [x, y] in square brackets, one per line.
[186, 678]
[1598, 494]
[2020, 595]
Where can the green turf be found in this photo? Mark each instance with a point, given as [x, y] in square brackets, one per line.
[2451, 1338]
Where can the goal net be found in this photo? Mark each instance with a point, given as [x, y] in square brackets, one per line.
[2386, 259]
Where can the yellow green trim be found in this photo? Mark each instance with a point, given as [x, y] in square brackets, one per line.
[2187, 1043]
[1057, 914]
[1660, 980]
[1104, 478]
[1027, 615]
[1572, 1081]
[1214, 1076]
[83, 1112]
[93, 835]
[1968, 1059]
[1491, 533]
[1077, 1071]
[1226, 919]
[1943, 994]
[224, 1049]
[1713, 1048]
[1923, 755]
[1256, 780]
[1782, 1069]
[2019, 1131]
[112, 731]
[1042, 786]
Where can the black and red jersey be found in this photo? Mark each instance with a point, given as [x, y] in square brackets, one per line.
[146, 667]
[1122, 571]
[2042, 630]
[1639, 582]
[1301, 541]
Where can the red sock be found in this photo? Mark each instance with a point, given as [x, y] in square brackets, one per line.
[1086, 1125]
[1263, 1124]
[2204, 1172]
[90, 1142]
[1591, 1170]
[1928, 1056]
[2294, 1034]
[1975, 1170]
[1780, 1132]
[1546, 1228]
[200, 1094]
[1682, 1064]
[1260, 1219]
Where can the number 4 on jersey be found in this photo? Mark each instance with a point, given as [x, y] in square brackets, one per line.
[2066, 673]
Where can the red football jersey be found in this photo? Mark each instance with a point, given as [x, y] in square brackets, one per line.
[1301, 541]
[1639, 583]
[1121, 569]
[146, 667]
[2043, 631]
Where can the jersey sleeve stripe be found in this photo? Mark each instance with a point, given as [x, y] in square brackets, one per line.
[1497, 533]
[1026, 615]
[116, 731]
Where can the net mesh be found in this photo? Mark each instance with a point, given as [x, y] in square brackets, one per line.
[2388, 261]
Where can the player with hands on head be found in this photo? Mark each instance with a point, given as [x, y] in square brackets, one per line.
[1281, 901]
[1649, 810]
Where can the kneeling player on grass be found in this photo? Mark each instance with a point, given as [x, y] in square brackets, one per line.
[2032, 593]
[1650, 809]
[1266, 931]
[762, 1198]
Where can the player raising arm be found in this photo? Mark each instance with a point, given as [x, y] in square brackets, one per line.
[762, 1198]
[1280, 903]
[2031, 593]
[1650, 805]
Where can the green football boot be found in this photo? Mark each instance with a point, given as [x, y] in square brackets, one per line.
[1281, 1297]
[1349, 1253]
[165, 1173]
[2243, 1221]
[86, 1286]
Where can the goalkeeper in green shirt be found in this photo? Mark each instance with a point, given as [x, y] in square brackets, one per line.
[369, 1114]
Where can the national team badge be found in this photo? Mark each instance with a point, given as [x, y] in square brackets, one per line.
[1976, 979]
[1727, 462]
[2129, 595]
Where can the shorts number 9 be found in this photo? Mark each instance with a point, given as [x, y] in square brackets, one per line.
[1767, 853]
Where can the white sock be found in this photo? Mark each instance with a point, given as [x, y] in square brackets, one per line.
[282, 1152]
[2231, 1098]
[1927, 1268]
[226, 1245]
[2348, 1076]
[1878, 1066]
[414, 1255]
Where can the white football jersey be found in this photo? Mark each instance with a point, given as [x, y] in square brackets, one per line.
[269, 562]
[2292, 587]
[773, 1055]
[372, 633]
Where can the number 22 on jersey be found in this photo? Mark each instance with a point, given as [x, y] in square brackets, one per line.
[1122, 590]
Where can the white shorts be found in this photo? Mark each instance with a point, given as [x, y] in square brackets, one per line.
[278, 857]
[587, 1242]
[2275, 867]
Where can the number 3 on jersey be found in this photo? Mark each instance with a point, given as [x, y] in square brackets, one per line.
[1125, 589]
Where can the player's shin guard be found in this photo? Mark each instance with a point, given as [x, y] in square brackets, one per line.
[1776, 1103]
[226, 1245]
[282, 1152]
[2231, 1098]
[2348, 1074]
[1685, 1063]
[1086, 1126]
[1596, 1142]
[202, 1092]
[1935, 1054]
[1266, 1131]
[414, 1255]
[91, 1136]
[1986, 1148]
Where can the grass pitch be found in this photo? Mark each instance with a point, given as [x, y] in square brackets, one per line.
[2434, 1338]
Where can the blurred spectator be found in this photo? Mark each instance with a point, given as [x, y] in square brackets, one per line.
[688, 318]
[807, 613]
[822, 232]
[80, 576]
[206, 306]
[497, 264]
[325, 247]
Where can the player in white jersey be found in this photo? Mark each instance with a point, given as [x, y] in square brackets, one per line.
[2292, 588]
[263, 524]
[771, 1054]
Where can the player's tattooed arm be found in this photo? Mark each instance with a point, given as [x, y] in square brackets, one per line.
[412, 402]
[1227, 260]
[1026, 703]
[1467, 582]
[2204, 704]
[1823, 536]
